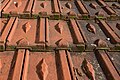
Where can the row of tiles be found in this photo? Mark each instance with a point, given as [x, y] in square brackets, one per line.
[91, 8]
[59, 33]
[59, 65]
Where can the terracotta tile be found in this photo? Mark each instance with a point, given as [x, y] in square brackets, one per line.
[59, 40]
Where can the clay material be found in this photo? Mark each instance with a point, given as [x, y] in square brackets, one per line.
[43, 69]
[7, 29]
[101, 2]
[106, 28]
[68, 5]
[47, 31]
[59, 27]
[26, 27]
[93, 5]
[44, 4]
[64, 65]
[70, 62]
[107, 65]
[56, 8]
[26, 65]
[115, 5]
[101, 43]
[18, 65]
[59, 40]
[7, 6]
[99, 13]
[13, 30]
[88, 69]
[62, 43]
[81, 7]
[118, 26]
[109, 10]
[0, 64]
[42, 30]
[22, 42]
[18, 3]
[77, 35]
[91, 28]
[29, 6]
[71, 13]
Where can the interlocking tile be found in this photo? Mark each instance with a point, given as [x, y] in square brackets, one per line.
[59, 40]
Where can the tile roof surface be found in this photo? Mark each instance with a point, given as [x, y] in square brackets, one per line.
[60, 40]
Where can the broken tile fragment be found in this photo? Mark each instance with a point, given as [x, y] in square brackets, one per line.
[101, 43]
[59, 27]
[43, 69]
[68, 5]
[26, 27]
[88, 69]
[91, 28]
[92, 5]
[118, 26]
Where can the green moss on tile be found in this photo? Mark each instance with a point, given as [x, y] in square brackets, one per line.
[81, 47]
[2, 48]
[56, 17]
[85, 17]
[5, 15]
[10, 48]
[100, 17]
